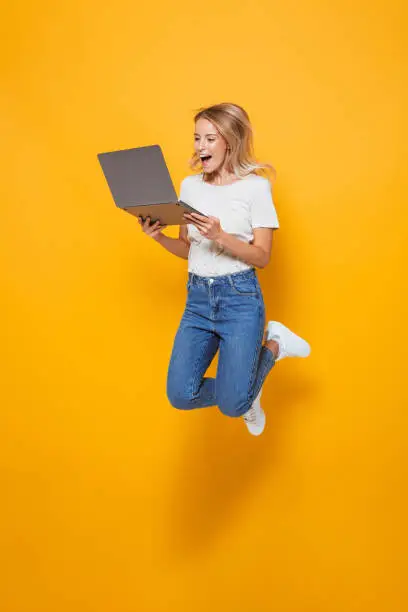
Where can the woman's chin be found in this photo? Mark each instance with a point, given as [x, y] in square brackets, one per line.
[208, 171]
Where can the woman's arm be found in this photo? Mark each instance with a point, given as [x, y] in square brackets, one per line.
[183, 234]
[174, 245]
[177, 246]
[256, 253]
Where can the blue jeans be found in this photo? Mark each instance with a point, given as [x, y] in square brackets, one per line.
[227, 313]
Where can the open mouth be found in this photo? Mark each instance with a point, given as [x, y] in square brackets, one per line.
[205, 159]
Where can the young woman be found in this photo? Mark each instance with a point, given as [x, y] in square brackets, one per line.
[225, 308]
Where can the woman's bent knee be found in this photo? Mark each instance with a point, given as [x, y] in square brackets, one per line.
[234, 408]
[179, 399]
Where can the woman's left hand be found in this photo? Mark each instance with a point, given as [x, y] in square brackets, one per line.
[210, 227]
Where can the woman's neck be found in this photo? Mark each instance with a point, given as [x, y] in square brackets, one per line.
[221, 178]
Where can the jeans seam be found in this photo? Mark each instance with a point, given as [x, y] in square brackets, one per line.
[241, 292]
[195, 370]
[255, 360]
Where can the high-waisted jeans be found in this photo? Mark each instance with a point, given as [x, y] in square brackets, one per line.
[227, 313]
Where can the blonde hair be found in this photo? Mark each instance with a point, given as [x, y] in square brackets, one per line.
[233, 123]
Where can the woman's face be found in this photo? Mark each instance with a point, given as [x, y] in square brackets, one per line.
[209, 142]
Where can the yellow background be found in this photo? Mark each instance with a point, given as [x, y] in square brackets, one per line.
[112, 500]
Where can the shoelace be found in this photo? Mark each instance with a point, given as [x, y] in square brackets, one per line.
[250, 415]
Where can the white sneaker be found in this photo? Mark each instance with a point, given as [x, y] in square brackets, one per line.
[290, 345]
[255, 417]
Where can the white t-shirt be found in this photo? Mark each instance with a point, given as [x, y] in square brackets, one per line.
[240, 206]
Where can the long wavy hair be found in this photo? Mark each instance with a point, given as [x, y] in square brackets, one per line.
[233, 123]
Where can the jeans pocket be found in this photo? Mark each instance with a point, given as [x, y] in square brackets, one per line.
[244, 285]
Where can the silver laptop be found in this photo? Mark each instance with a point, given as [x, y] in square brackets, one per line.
[140, 184]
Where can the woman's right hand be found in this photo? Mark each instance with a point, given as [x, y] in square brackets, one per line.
[151, 230]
